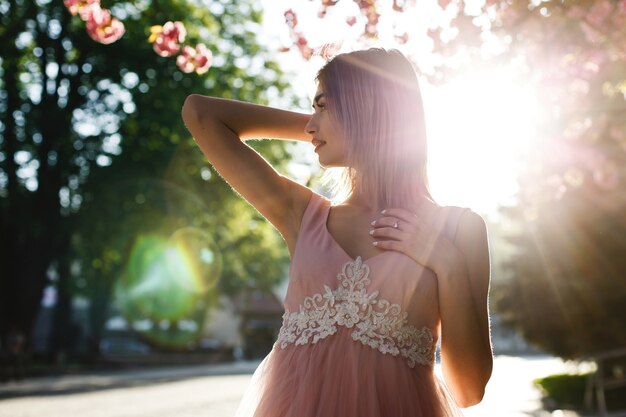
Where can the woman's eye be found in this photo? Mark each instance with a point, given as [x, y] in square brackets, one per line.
[319, 106]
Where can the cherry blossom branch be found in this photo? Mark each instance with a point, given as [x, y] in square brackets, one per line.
[166, 39]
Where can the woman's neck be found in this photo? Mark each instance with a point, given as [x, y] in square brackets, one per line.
[359, 201]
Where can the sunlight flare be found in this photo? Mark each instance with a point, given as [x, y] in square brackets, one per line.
[480, 129]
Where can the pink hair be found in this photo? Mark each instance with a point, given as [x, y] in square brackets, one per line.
[375, 97]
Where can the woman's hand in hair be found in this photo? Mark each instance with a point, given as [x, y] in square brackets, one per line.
[418, 236]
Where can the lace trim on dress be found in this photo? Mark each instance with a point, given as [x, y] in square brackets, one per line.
[377, 323]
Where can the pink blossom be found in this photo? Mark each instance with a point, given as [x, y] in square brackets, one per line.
[402, 39]
[185, 59]
[368, 9]
[198, 59]
[618, 20]
[585, 65]
[366, 4]
[351, 20]
[617, 133]
[434, 33]
[443, 3]
[371, 27]
[303, 45]
[599, 12]
[325, 5]
[401, 5]
[508, 15]
[103, 28]
[299, 40]
[372, 17]
[81, 7]
[592, 35]
[607, 176]
[575, 12]
[328, 50]
[291, 18]
[167, 38]
[204, 58]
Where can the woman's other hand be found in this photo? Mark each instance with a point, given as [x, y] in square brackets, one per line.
[418, 236]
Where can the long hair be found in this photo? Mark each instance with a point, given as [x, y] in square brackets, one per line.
[375, 97]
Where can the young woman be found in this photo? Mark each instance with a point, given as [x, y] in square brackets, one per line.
[371, 292]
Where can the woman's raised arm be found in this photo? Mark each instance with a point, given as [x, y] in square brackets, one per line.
[218, 127]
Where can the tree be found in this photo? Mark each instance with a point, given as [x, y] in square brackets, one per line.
[87, 127]
[568, 281]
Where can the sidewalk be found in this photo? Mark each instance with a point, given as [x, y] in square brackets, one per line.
[68, 384]
[510, 393]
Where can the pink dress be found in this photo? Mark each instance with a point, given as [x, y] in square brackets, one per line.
[358, 335]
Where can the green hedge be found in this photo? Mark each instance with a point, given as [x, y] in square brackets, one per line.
[567, 391]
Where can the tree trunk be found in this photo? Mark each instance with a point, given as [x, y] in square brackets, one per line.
[61, 337]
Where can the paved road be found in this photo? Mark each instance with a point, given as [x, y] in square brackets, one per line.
[213, 391]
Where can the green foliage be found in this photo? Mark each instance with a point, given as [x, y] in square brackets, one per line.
[114, 161]
[566, 390]
[567, 292]
[184, 186]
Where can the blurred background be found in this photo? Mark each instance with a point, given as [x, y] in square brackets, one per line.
[127, 262]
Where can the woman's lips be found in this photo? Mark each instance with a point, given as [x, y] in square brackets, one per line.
[318, 144]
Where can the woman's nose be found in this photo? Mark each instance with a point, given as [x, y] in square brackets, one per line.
[311, 126]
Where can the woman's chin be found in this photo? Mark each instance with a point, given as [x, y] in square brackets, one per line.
[324, 162]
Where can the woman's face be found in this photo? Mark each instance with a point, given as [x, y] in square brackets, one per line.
[330, 145]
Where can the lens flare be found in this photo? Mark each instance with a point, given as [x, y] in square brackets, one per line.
[165, 286]
[169, 278]
[194, 256]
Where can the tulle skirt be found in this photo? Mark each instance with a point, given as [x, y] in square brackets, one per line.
[340, 377]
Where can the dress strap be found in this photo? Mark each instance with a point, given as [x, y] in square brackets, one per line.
[314, 212]
[453, 215]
